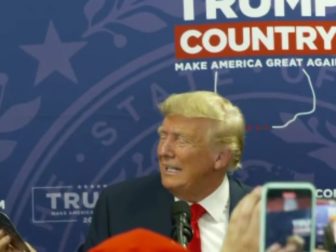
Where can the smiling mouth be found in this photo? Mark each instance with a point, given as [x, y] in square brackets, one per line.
[172, 170]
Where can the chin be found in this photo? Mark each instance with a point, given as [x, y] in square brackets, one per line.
[169, 183]
[173, 187]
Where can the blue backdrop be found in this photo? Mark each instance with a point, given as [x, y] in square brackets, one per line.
[79, 86]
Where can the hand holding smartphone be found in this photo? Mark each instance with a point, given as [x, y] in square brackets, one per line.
[16, 240]
[288, 217]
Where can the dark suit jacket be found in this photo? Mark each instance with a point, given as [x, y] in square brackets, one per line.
[142, 202]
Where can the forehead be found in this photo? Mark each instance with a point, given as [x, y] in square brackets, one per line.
[185, 125]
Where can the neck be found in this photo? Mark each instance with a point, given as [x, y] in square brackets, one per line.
[197, 194]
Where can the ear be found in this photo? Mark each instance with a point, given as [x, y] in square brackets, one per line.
[222, 159]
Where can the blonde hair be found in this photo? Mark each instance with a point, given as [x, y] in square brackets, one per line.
[205, 104]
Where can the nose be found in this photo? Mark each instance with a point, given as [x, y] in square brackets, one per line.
[165, 148]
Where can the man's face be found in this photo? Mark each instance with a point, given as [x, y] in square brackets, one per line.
[187, 162]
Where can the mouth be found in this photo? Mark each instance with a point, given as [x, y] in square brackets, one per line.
[172, 170]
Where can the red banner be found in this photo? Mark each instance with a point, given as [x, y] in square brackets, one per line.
[255, 39]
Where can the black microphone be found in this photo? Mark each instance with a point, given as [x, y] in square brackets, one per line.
[181, 231]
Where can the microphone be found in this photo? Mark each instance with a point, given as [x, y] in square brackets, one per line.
[181, 231]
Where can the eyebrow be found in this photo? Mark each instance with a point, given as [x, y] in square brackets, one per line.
[177, 133]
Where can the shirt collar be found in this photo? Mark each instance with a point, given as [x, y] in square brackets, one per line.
[217, 202]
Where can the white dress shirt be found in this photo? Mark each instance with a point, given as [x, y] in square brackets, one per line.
[213, 224]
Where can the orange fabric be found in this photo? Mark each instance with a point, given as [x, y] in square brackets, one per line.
[196, 212]
[138, 240]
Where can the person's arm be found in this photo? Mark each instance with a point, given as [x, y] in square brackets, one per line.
[243, 229]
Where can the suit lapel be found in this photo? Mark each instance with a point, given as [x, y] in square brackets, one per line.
[165, 200]
[237, 192]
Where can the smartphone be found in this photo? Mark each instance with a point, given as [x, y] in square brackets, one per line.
[288, 217]
[326, 224]
[16, 240]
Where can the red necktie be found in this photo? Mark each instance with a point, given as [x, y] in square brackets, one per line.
[196, 212]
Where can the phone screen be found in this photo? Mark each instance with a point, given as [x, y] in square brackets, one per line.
[288, 220]
[325, 223]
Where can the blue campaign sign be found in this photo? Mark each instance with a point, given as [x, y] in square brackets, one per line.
[80, 82]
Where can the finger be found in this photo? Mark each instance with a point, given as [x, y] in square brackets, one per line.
[4, 241]
[2, 233]
[276, 247]
[242, 213]
[31, 249]
[247, 205]
[10, 248]
[253, 229]
[245, 201]
[254, 224]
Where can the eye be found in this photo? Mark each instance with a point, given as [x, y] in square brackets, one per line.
[162, 135]
[182, 140]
